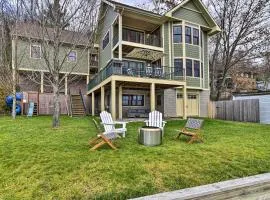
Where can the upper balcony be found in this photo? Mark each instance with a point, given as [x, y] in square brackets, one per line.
[135, 31]
[139, 37]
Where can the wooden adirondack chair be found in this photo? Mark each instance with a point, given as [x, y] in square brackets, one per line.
[155, 119]
[109, 124]
[102, 138]
[192, 129]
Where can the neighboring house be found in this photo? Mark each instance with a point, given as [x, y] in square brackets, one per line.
[30, 59]
[263, 86]
[149, 61]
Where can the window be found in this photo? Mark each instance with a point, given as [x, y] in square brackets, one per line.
[35, 51]
[188, 35]
[178, 67]
[177, 34]
[192, 96]
[106, 40]
[133, 100]
[196, 68]
[179, 96]
[133, 36]
[188, 67]
[196, 36]
[72, 56]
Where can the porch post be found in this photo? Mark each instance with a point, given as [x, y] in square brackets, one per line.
[153, 96]
[185, 102]
[113, 102]
[120, 102]
[120, 36]
[41, 82]
[102, 102]
[93, 103]
[66, 84]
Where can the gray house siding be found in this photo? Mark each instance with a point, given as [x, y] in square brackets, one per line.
[204, 100]
[192, 51]
[178, 50]
[170, 103]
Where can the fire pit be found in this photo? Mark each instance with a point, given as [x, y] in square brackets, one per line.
[150, 136]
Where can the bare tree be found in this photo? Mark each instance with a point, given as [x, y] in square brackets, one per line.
[244, 29]
[158, 6]
[60, 27]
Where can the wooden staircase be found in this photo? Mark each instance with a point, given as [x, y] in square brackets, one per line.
[77, 106]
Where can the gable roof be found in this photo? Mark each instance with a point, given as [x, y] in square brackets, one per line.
[204, 11]
[206, 15]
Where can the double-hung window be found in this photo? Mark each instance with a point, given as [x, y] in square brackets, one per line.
[177, 34]
[178, 67]
[189, 67]
[188, 35]
[196, 36]
[196, 68]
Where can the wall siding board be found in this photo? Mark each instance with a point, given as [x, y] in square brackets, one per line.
[178, 50]
[206, 62]
[190, 16]
[193, 51]
[193, 82]
[105, 54]
[26, 62]
[170, 103]
[204, 102]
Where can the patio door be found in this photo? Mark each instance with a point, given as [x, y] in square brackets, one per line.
[192, 104]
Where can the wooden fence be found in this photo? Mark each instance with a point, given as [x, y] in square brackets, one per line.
[238, 110]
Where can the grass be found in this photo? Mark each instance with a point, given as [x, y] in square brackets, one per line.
[38, 162]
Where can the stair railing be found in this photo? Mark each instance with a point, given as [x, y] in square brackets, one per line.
[70, 102]
[84, 106]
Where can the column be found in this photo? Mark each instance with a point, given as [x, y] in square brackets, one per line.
[120, 102]
[41, 82]
[102, 102]
[113, 102]
[66, 84]
[93, 103]
[153, 97]
[120, 36]
[185, 102]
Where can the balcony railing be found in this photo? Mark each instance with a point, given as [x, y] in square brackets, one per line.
[154, 71]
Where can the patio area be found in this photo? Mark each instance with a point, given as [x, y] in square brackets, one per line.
[57, 163]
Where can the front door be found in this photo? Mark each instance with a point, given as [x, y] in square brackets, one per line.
[192, 104]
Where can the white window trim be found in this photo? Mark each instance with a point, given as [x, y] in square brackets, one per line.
[36, 45]
[173, 34]
[71, 61]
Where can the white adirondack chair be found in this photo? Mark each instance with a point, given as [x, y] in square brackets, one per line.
[109, 124]
[155, 119]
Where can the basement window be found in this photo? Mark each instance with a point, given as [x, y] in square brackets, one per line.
[133, 100]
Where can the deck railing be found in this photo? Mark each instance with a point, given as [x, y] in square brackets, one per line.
[154, 71]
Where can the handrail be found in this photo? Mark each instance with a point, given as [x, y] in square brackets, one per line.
[116, 67]
[84, 106]
[70, 102]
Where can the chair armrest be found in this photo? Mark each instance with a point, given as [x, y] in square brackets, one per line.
[163, 123]
[146, 122]
[124, 124]
[108, 123]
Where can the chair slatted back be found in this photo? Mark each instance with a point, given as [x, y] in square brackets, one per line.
[155, 119]
[107, 121]
[97, 126]
[194, 123]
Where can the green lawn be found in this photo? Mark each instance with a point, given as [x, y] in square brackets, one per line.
[38, 162]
